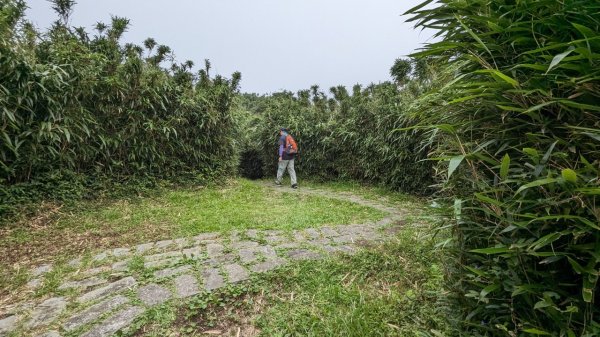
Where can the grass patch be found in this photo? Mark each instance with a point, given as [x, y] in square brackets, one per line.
[366, 191]
[169, 213]
[391, 290]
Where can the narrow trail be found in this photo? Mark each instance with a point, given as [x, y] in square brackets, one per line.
[104, 294]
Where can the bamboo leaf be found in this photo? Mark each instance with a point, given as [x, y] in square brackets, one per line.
[501, 76]
[544, 241]
[504, 166]
[537, 183]
[454, 163]
[537, 332]
[489, 289]
[491, 251]
[556, 60]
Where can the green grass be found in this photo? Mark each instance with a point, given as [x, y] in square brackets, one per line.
[185, 212]
[169, 213]
[242, 205]
[366, 191]
[394, 290]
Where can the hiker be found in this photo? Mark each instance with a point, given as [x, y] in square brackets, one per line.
[287, 151]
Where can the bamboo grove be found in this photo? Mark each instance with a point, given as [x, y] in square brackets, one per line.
[506, 106]
[520, 129]
[499, 118]
[75, 106]
[348, 135]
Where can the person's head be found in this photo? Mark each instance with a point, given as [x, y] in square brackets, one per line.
[283, 131]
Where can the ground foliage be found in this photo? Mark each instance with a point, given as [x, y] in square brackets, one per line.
[520, 128]
[346, 135]
[76, 107]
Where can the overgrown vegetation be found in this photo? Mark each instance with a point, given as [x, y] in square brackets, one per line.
[80, 110]
[505, 103]
[520, 128]
[350, 135]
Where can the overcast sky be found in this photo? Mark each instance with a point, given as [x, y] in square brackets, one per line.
[275, 44]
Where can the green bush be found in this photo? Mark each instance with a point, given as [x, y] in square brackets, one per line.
[347, 136]
[521, 132]
[91, 106]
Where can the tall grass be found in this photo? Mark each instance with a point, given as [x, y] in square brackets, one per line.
[521, 133]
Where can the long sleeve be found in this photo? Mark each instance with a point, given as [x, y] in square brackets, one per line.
[280, 148]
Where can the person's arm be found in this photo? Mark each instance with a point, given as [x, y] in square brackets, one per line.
[280, 149]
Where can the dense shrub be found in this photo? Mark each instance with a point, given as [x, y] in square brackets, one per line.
[251, 165]
[346, 136]
[521, 126]
[72, 104]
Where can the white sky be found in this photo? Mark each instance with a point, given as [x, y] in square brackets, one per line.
[275, 44]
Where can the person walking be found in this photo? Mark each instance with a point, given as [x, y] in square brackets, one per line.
[287, 152]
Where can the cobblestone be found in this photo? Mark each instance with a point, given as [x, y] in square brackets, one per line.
[96, 271]
[47, 312]
[163, 244]
[153, 294]
[120, 266]
[186, 286]
[312, 233]
[214, 249]
[192, 253]
[163, 256]
[171, 271]
[236, 273]
[8, 324]
[94, 312]
[119, 252]
[140, 249]
[41, 270]
[86, 283]
[219, 260]
[244, 244]
[212, 279]
[267, 265]
[247, 255]
[303, 254]
[35, 283]
[100, 257]
[275, 239]
[75, 263]
[160, 263]
[114, 323]
[252, 233]
[109, 289]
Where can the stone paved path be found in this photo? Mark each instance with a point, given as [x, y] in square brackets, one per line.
[102, 295]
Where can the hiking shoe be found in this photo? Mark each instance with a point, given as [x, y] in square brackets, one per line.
[295, 186]
[277, 183]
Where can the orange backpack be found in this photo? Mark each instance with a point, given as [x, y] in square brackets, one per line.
[290, 145]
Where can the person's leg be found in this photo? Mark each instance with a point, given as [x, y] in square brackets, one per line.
[280, 170]
[292, 173]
